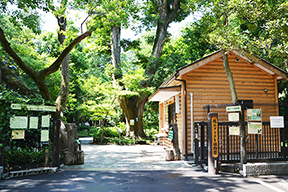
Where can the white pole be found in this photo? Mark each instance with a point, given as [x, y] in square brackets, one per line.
[192, 124]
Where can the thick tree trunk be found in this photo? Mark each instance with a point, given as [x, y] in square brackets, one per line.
[133, 110]
[133, 107]
[176, 149]
[64, 87]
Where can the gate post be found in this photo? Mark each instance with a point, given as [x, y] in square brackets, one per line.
[56, 144]
[213, 143]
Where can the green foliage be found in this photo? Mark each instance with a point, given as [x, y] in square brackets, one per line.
[151, 11]
[27, 158]
[109, 133]
[86, 131]
[132, 80]
[25, 11]
[106, 14]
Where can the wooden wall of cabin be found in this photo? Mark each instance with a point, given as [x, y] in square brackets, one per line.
[163, 122]
[209, 85]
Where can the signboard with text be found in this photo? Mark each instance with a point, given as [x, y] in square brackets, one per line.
[215, 142]
[233, 108]
[277, 122]
[254, 114]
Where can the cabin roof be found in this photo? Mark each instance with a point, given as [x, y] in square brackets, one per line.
[163, 93]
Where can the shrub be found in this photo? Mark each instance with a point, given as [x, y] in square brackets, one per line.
[23, 158]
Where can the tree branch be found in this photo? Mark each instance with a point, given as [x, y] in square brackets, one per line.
[13, 82]
[55, 66]
[6, 46]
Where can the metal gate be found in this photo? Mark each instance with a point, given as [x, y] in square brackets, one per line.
[271, 145]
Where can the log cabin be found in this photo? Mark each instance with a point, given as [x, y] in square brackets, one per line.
[184, 96]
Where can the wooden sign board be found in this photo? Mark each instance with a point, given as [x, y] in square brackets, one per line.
[215, 142]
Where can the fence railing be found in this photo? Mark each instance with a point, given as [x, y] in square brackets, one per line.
[271, 145]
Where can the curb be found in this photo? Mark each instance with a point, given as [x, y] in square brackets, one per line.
[37, 171]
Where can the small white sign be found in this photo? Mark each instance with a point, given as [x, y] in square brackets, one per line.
[233, 116]
[276, 121]
[20, 122]
[44, 135]
[33, 124]
[131, 121]
[45, 121]
[33, 107]
[233, 108]
[234, 130]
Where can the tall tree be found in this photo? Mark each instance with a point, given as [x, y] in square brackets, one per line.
[159, 14]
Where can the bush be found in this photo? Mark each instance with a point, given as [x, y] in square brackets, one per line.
[151, 132]
[23, 158]
[86, 131]
[111, 135]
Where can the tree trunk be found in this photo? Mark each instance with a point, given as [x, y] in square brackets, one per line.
[235, 101]
[64, 87]
[230, 77]
[133, 106]
[133, 110]
[116, 51]
[176, 149]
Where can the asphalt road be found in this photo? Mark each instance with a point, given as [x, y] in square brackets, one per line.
[138, 181]
[137, 168]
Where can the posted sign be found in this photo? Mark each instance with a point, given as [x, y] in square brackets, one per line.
[215, 142]
[277, 122]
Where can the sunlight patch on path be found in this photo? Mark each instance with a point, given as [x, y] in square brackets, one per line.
[132, 157]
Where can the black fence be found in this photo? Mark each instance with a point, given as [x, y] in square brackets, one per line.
[271, 145]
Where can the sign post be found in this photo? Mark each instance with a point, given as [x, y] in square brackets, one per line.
[213, 143]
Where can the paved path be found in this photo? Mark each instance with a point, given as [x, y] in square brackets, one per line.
[133, 157]
[139, 168]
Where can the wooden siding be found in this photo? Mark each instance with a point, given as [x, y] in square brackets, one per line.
[209, 85]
